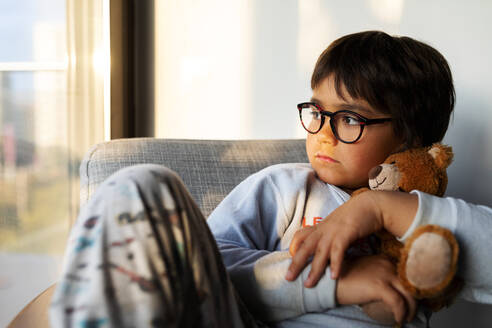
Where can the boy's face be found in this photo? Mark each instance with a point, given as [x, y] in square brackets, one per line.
[341, 164]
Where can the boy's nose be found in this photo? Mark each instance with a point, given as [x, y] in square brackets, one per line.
[326, 134]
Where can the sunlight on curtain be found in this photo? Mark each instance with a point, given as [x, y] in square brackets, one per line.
[88, 67]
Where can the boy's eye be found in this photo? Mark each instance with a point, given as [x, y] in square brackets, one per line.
[315, 115]
[350, 120]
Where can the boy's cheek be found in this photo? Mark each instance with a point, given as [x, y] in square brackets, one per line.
[309, 146]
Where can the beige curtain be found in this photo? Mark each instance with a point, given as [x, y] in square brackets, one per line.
[87, 65]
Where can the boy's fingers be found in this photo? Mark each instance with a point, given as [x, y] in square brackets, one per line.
[298, 239]
[318, 266]
[395, 301]
[337, 253]
[410, 301]
[299, 261]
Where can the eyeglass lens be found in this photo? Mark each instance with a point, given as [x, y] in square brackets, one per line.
[345, 126]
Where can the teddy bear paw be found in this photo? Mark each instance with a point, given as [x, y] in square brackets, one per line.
[428, 261]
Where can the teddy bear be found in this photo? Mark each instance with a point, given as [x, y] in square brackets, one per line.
[426, 264]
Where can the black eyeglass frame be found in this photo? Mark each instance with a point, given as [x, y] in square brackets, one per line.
[362, 120]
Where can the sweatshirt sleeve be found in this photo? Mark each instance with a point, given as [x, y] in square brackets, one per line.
[245, 226]
[472, 227]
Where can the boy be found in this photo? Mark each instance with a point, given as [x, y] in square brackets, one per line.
[373, 95]
[141, 254]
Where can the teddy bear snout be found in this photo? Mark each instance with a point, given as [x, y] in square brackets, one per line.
[384, 177]
[374, 172]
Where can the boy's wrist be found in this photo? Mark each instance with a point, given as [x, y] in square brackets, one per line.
[373, 200]
[395, 209]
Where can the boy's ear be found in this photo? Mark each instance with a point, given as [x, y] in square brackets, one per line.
[442, 154]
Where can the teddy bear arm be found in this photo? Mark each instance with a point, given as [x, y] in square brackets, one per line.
[389, 245]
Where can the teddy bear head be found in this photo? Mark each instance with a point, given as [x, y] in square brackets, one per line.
[421, 169]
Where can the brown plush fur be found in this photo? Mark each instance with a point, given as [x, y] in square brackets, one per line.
[421, 169]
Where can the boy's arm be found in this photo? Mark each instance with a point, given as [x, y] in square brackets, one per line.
[259, 279]
[369, 211]
[472, 227]
[246, 228]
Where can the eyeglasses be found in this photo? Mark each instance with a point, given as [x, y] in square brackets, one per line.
[347, 126]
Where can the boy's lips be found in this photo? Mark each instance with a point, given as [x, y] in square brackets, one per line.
[326, 158]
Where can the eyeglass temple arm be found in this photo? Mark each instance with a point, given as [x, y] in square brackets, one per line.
[377, 120]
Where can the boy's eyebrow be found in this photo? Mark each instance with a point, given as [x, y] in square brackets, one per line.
[347, 106]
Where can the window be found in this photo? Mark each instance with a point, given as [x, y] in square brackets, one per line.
[52, 67]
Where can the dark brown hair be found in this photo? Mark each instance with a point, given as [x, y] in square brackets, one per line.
[399, 76]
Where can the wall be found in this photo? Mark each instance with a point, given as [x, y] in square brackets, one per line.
[236, 69]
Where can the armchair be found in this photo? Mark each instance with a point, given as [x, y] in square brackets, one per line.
[209, 168]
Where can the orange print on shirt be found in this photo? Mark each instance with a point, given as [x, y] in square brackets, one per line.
[314, 221]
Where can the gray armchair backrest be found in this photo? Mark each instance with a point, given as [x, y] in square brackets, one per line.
[210, 169]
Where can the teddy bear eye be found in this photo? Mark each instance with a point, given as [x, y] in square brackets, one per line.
[394, 162]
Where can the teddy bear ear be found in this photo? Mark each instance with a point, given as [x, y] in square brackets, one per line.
[442, 154]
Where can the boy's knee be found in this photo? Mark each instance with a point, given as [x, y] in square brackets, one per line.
[128, 187]
[142, 180]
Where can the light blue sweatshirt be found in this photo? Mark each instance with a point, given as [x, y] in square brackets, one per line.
[253, 227]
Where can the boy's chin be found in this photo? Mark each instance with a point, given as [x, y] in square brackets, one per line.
[342, 184]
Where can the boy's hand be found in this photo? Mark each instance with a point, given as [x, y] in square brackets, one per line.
[373, 278]
[357, 218]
